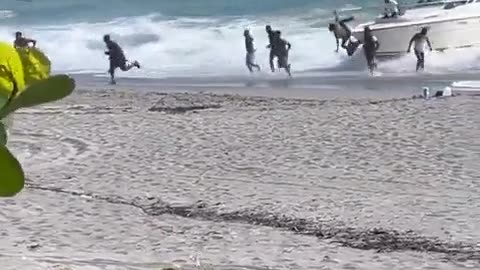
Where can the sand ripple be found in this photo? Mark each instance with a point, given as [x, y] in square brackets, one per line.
[390, 175]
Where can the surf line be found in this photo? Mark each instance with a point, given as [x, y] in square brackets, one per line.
[379, 239]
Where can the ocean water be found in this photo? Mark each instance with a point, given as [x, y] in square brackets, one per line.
[243, 182]
[197, 38]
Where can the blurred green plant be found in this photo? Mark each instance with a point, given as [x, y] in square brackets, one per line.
[25, 81]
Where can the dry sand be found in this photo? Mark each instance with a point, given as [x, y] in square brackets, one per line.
[124, 180]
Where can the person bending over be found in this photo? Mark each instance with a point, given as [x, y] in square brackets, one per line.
[341, 30]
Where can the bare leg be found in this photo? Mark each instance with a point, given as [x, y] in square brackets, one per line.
[288, 70]
[417, 67]
[249, 62]
[283, 62]
[347, 31]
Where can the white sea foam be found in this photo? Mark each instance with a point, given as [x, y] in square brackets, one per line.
[196, 47]
[177, 47]
[6, 14]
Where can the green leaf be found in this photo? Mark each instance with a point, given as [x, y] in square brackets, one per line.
[11, 70]
[12, 178]
[36, 65]
[48, 90]
[3, 134]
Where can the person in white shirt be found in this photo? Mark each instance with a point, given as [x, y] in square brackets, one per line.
[391, 9]
[420, 39]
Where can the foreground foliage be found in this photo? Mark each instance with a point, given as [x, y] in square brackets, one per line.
[25, 81]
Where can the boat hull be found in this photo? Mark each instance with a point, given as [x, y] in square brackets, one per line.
[443, 35]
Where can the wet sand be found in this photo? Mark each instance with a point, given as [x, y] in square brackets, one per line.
[122, 179]
[325, 85]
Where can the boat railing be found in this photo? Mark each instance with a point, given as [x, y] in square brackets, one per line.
[447, 4]
[403, 8]
[421, 4]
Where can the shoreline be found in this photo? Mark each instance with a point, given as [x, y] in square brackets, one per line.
[310, 86]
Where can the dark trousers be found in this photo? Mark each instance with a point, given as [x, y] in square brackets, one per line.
[370, 56]
[420, 59]
[117, 63]
[272, 55]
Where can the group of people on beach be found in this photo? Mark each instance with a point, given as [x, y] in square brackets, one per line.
[371, 44]
[278, 46]
[116, 55]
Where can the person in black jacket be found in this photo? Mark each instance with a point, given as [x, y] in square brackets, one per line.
[282, 48]
[271, 40]
[117, 58]
[370, 47]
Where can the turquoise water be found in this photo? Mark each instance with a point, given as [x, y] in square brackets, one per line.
[39, 11]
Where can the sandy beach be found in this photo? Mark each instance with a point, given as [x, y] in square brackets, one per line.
[127, 178]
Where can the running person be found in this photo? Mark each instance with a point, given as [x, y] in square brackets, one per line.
[282, 48]
[117, 58]
[370, 47]
[420, 39]
[250, 58]
[271, 40]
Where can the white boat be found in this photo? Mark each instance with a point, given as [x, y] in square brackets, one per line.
[451, 24]
[467, 86]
